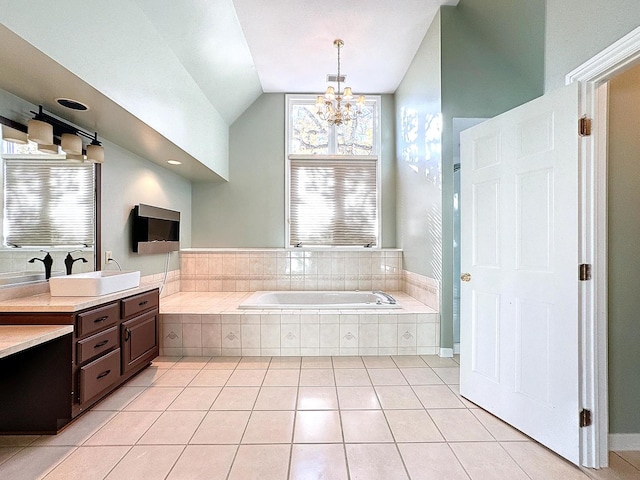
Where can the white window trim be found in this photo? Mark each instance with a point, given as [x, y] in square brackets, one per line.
[377, 147]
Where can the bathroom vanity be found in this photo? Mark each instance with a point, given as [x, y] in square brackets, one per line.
[44, 386]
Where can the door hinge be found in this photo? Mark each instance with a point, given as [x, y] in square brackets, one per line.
[584, 126]
[585, 418]
[584, 271]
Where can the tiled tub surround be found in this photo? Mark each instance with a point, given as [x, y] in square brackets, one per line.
[210, 324]
[423, 289]
[250, 270]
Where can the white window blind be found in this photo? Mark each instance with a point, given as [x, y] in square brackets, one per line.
[48, 203]
[333, 202]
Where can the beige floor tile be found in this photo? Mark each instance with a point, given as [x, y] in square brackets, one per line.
[500, 430]
[146, 461]
[350, 377]
[212, 462]
[421, 376]
[317, 377]
[412, 426]
[165, 362]
[195, 398]
[211, 378]
[282, 378]
[487, 461]
[436, 361]
[17, 440]
[224, 427]
[317, 427]
[124, 429]
[285, 362]
[33, 462]
[254, 363]
[191, 363]
[542, 464]
[222, 363]
[317, 362]
[458, 425]
[403, 361]
[154, 398]
[88, 463]
[357, 398]
[261, 462]
[633, 457]
[173, 428]
[176, 378]
[456, 391]
[269, 427]
[317, 398]
[236, 398]
[246, 378]
[318, 461]
[347, 362]
[7, 452]
[397, 397]
[119, 399]
[78, 431]
[276, 398]
[365, 426]
[430, 461]
[375, 462]
[378, 362]
[449, 375]
[619, 469]
[386, 376]
[437, 396]
[146, 377]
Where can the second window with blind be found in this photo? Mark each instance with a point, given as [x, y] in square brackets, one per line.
[332, 177]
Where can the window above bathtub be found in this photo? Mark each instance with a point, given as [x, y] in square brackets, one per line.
[332, 177]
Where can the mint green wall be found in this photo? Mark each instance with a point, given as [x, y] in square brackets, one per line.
[126, 181]
[249, 210]
[624, 252]
[576, 30]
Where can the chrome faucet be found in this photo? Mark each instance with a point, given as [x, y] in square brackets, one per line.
[69, 261]
[47, 261]
[390, 299]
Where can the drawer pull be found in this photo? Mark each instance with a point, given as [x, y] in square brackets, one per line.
[127, 334]
[103, 374]
[142, 304]
[101, 319]
[101, 344]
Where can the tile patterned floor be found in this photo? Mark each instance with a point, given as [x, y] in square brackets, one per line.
[280, 418]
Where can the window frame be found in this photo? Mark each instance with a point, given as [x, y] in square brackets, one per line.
[309, 99]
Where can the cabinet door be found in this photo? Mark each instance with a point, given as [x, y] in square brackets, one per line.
[139, 340]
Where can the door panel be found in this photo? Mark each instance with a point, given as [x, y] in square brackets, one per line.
[519, 311]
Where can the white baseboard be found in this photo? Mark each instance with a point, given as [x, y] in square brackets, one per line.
[446, 352]
[624, 441]
[456, 349]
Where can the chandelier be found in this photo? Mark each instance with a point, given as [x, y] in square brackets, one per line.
[335, 106]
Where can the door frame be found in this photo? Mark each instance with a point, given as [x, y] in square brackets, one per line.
[593, 77]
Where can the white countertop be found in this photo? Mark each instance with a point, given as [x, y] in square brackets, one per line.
[16, 338]
[46, 303]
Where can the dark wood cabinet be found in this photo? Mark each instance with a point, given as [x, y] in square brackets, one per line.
[111, 342]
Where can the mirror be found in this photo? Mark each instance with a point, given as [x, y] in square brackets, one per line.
[47, 209]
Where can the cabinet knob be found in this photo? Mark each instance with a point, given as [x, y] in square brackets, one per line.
[465, 277]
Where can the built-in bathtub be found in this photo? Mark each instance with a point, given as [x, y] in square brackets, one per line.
[318, 300]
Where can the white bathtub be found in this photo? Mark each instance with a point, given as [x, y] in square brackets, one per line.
[318, 300]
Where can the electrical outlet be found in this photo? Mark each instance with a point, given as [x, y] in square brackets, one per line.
[108, 255]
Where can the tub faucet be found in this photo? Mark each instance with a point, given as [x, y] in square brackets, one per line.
[390, 299]
[47, 261]
[69, 261]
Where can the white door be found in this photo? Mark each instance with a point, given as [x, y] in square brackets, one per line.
[519, 309]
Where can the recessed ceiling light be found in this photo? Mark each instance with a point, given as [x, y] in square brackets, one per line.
[174, 162]
[72, 104]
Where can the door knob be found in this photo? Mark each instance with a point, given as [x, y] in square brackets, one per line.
[465, 277]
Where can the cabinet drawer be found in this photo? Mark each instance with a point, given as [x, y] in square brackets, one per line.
[99, 375]
[132, 306]
[97, 319]
[96, 344]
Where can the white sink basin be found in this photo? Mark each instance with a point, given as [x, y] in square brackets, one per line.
[93, 284]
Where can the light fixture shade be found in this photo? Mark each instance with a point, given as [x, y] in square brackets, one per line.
[40, 132]
[95, 153]
[75, 158]
[348, 94]
[12, 135]
[330, 94]
[48, 149]
[71, 144]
